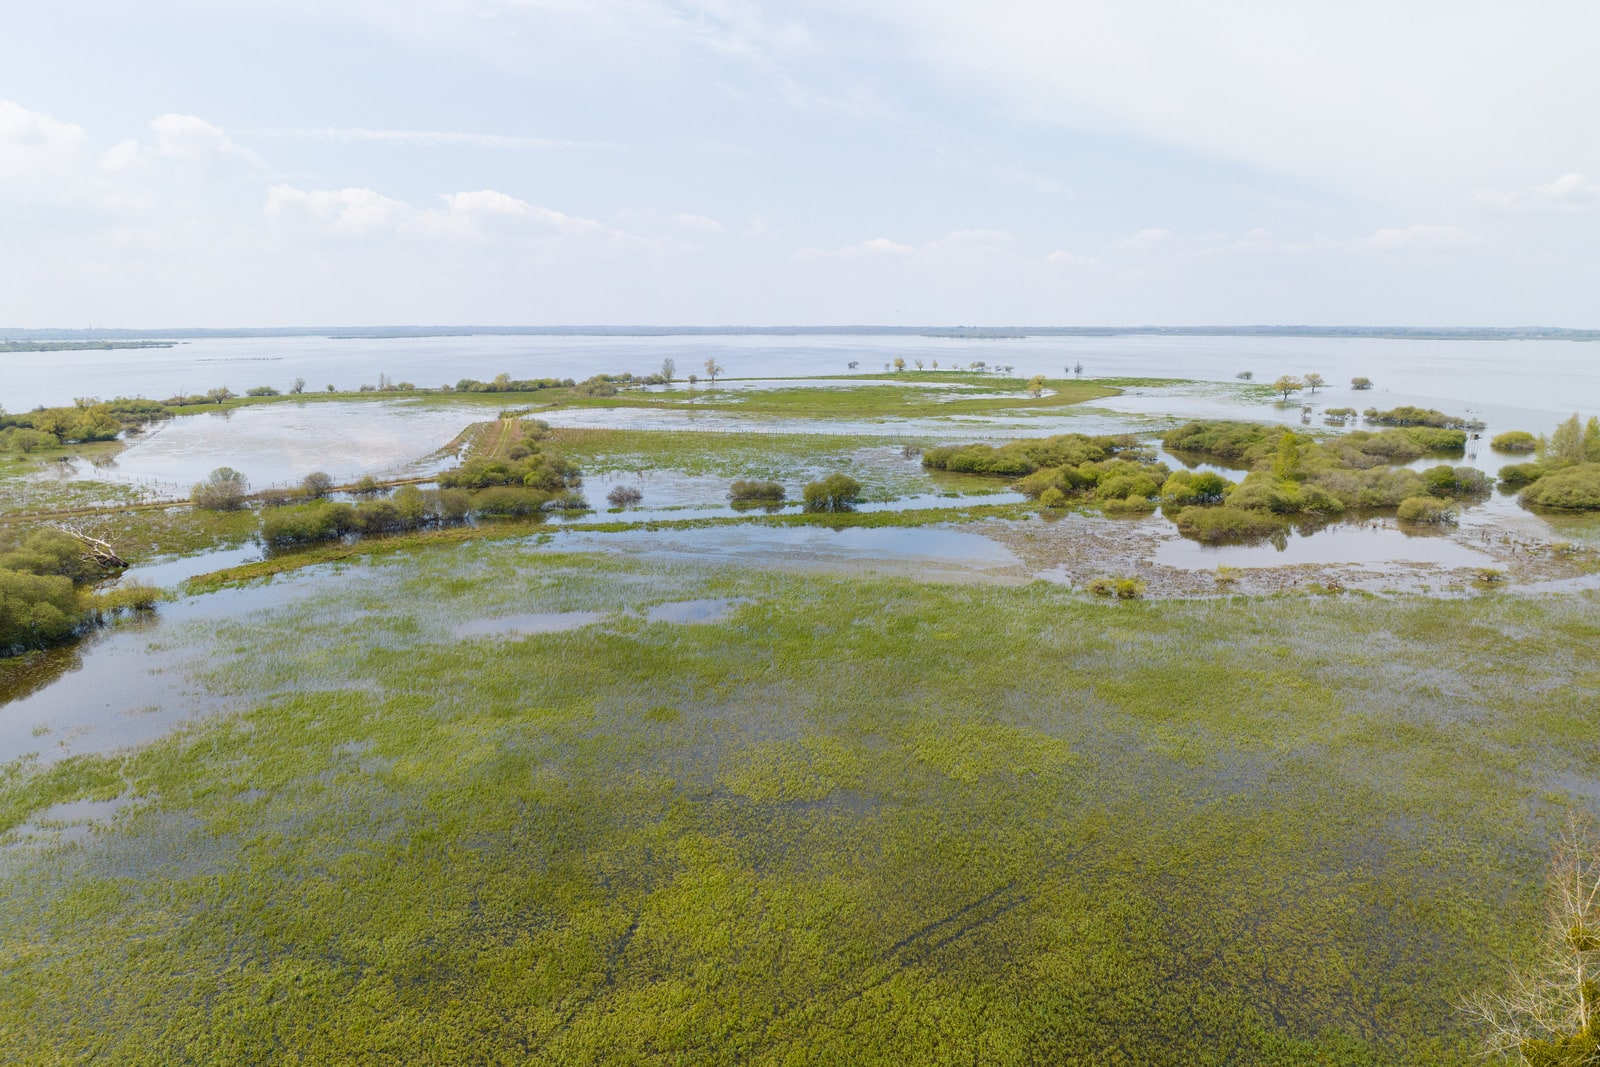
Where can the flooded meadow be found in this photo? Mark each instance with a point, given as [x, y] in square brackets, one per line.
[938, 767]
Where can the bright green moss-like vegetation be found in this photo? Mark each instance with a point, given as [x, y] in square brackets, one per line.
[859, 821]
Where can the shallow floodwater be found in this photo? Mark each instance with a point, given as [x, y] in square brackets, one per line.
[803, 546]
[279, 444]
[127, 684]
[538, 622]
[1353, 543]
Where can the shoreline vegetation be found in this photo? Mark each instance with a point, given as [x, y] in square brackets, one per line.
[471, 770]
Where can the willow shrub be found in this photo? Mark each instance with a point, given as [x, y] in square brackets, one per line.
[1226, 523]
[1425, 509]
[1573, 488]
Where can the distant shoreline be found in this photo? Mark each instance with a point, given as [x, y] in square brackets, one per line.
[18, 340]
[41, 345]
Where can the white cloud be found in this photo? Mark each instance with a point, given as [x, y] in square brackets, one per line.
[874, 248]
[1392, 99]
[34, 146]
[431, 138]
[349, 211]
[483, 213]
[1062, 258]
[1569, 194]
[1426, 238]
[1028, 179]
[1145, 240]
[702, 223]
[194, 140]
[122, 156]
[958, 246]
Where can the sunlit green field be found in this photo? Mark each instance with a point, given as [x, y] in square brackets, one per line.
[861, 820]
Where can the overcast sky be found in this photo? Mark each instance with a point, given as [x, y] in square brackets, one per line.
[343, 162]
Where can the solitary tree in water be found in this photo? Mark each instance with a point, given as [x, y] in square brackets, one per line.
[1286, 385]
[1551, 1015]
[668, 369]
[1314, 382]
[713, 368]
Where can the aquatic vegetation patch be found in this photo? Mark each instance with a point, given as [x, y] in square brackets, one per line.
[856, 821]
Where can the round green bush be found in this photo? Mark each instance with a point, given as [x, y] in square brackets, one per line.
[1514, 441]
[1572, 488]
[1424, 509]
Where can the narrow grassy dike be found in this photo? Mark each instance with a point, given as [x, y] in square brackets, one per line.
[857, 822]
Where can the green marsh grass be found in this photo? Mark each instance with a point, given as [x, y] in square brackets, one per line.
[860, 821]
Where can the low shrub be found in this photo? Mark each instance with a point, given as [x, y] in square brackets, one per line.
[1128, 505]
[836, 492]
[317, 485]
[1190, 487]
[1515, 474]
[306, 523]
[51, 552]
[622, 496]
[223, 490]
[133, 596]
[1445, 480]
[508, 501]
[1514, 441]
[1571, 488]
[1425, 509]
[36, 609]
[1020, 457]
[754, 492]
[1410, 415]
[1127, 588]
[1053, 498]
[1226, 523]
[567, 500]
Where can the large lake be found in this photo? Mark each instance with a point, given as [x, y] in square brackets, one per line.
[1531, 383]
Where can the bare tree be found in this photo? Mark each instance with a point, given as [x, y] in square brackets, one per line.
[95, 550]
[669, 368]
[1549, 1015]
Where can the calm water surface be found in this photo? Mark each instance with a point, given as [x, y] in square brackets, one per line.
[1536, 381]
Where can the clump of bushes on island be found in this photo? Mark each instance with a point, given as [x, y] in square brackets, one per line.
[1424, 509]
[1409, 415]
[87, 420]
[1566, 473]
[1288, 476]
[1514, 441]
[1575, 488]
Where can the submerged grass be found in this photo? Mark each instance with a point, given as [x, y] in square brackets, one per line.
[917, 397]
[859, 821]
[879, 462]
